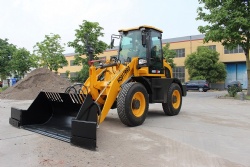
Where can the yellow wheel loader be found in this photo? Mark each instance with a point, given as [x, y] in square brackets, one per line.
[137, 76]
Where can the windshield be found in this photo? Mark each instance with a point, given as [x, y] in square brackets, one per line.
[131, 46]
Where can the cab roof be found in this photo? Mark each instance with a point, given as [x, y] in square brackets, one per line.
[138, 28]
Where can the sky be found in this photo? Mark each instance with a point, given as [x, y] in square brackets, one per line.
[26, 22]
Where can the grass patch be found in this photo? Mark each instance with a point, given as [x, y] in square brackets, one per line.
[239, 96]
[247, 97]
[3, 88]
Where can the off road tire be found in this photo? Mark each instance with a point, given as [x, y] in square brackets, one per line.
[132, 104]
[174, 100]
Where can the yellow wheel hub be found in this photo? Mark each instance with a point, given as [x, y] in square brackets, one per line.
[138, 104]
[176, 99]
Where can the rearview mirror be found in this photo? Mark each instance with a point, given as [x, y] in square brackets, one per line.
[112, 43]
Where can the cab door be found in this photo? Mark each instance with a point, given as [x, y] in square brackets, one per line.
[156, 56]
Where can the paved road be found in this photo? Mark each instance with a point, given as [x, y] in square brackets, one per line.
[207, 132]
[217, 126]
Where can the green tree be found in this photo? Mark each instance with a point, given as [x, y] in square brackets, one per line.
[6, 53]
[228, 23]
[87, 35]
[21, 62]
[169, 55]
[82, 75]
[50, 52]
[203, 64]
[67, 73]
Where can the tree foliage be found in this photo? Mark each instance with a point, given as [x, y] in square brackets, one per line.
[203, 64]
[67, 73]
[85, 37]
[21, 62]
[169, 55]
[50, 52]
[82, 75]
[228, 23]
[6, 53]
[88, 34]
[232, 91]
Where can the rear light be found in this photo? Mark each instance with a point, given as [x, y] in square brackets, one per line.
[206, 85]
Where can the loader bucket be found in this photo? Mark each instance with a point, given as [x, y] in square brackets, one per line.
[67, 117]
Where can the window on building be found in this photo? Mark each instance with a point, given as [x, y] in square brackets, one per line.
[63, 75]
[180, 52]
[103, 58]
[72, 63]
[238, 49]
[212, 47]
[179, 72]
[73, 74]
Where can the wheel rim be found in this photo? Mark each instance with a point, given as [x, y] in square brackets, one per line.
[138, 104]
[176, 99]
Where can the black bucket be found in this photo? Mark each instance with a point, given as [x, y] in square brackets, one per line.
[67, 117]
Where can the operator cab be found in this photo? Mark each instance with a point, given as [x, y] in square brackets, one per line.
[143, 42]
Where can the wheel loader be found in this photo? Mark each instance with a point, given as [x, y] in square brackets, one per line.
[137, 76]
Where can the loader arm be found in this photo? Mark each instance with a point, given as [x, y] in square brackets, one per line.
[105, 92]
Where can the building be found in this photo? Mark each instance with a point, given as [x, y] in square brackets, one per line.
[73, 69]
[234, 60]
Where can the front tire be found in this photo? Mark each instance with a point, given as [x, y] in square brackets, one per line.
[174, 100]
[132, 104]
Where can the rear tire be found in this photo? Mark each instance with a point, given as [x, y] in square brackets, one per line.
[132, 104]
[174, 100]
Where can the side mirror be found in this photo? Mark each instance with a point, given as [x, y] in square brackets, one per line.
[112, 43]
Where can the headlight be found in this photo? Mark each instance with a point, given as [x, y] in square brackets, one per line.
[142, 61]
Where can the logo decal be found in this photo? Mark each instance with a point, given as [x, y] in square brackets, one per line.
[124, 73]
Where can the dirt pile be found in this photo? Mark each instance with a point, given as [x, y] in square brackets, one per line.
[38, 80]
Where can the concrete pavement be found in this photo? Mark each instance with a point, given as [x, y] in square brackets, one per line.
[207, 132]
